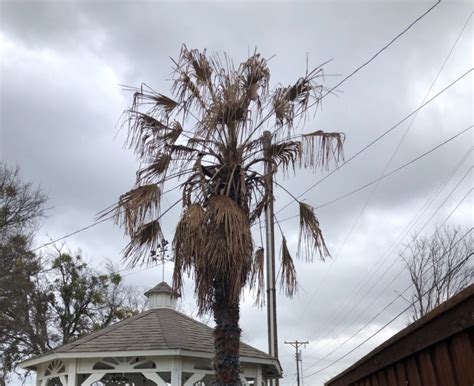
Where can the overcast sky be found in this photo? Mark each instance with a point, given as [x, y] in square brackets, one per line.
[62, 67]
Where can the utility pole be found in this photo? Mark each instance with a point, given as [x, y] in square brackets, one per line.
[270, 254]
[296, 344]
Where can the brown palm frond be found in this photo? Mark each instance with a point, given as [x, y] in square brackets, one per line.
[187, 92]
[310, 238]
[172, 135]
[136, 206]
[285, 154]
[260, 205]
[183, 151]
[198, 62]
[284, 111]
[288, 280]
[257, 278]
[188, 243]
[145, 239]
[228, 242]
[319, 148]
[156, 168]
[165, 102]
[255, 75]
[145, 95]
[144, 128]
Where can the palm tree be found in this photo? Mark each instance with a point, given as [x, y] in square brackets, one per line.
[209, 137]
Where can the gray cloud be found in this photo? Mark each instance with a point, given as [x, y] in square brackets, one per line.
[61, 70]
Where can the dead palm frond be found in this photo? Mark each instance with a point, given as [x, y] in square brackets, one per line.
[288, 280]
[257, 279]
[319, 147]
[310, 238]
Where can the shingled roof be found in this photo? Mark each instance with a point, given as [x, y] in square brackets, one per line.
[155, 329]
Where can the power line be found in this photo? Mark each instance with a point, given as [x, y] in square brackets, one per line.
[379, 51]
[385, 325]
[393, 279]
[453, 46]
[385, 175]
[371, 143]
[401, 236]
[394, 171]
[333, 171]
[355, 304]
[93, 225]
[357, 69]
[369, 198]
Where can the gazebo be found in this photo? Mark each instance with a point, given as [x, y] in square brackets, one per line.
[158, 347]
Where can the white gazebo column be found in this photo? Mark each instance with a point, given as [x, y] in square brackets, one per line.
[72, 372]
[177, 372]
[259, 377]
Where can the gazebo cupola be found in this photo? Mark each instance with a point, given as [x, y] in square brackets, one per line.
[158, 347]
[161, 296]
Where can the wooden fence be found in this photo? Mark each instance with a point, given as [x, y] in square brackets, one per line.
[436, 350]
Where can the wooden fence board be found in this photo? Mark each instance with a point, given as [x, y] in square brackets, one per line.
[401, 373]
[428, 375]
[382, 378]
[373, 380]
[461, 351]
[443, 365]
[436, 350]
[391, 377]
[413, 374]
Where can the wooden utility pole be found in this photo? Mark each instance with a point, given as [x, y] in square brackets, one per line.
[270, 254]
[296, 344]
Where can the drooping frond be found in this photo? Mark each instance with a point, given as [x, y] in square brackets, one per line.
[188, 243]
[285, 154]
[310, 238]
[158, 104]
[257, 279]
[319, 148]
[145, 239]
[155, 169]
[227, 252]
[291, 101]
[135, 207]
[288, 280]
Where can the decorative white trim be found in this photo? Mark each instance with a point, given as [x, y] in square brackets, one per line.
[149, 353]
[194, 378]
[155, 378]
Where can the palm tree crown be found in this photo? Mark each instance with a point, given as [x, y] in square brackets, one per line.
[209, 136]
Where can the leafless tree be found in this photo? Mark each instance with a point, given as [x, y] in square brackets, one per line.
[439, 267]
[21, 205]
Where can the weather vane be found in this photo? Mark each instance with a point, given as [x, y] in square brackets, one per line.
[162, 255]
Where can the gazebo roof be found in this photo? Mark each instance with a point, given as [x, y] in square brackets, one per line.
[159, 329]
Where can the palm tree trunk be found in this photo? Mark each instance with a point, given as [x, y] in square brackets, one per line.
[226, 337]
